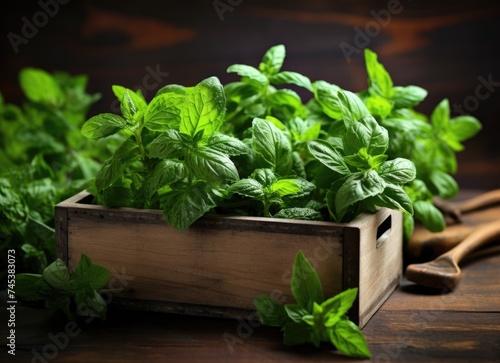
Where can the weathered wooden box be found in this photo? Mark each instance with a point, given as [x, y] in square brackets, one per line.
[221, 263]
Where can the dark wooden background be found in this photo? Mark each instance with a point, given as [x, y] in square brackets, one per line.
[443, 46]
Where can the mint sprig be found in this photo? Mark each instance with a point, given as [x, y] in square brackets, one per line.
[312, 319]
[58, 286]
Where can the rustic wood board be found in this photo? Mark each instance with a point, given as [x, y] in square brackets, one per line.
[413, 326]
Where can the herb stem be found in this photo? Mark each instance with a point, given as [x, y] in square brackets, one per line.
[267, 205]
[138, 139]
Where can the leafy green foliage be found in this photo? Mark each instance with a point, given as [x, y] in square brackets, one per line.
[256, 95]
[58, 286]
[271, 154]
[361, 177]
[44, 160]
[175, 157]
[312, 319]
[431, 144]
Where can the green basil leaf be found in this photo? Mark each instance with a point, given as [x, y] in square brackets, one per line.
[42, 288]
[412, 127]
[353, 108]
[312, 133]
[174, 89]
[360, 160]
[112, 168]
[25, 286]
[169, 144]
[464, 127]
[209, 164]
[276, 122]
[326, 95]
[270, 312]
[366, 133]
[204, 109]
[295, 78]
[137, 96]
[183, 206]
[95, 276]
[285, 187]
[408, 97]
[305, 285]
[336, 307]
[264, 176]
[163, 112]
[272, 147]
[90, 303]
[240, 92]
[298, 165]
[57, 275]
[119, 194]
[357, 187]
[273, 60]
[295, 312]
[447, 158]
[103, 125]
[130, 102]
[40, 86]
[165, 172]
[429, 215]
[398, 171]
[248, 187]
[440, 117]
[250, 72]
[444, 183]
[306, 187]
[394, 197]
[285, 97]
[329, 156]
[128, 107]
[348, 339]
[378, 106]
[110, 172]
[408, 226]
[227, 144]
[379, 79]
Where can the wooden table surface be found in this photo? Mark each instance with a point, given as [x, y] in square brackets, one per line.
[414, 325]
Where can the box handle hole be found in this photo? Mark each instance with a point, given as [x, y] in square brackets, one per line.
[383, 231]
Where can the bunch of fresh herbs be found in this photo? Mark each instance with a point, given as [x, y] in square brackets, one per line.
[250, 147]
[254, 147]
[44, 159]
[312, 319]
[59, 287]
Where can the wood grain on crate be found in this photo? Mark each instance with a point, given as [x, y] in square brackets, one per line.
[224, 262]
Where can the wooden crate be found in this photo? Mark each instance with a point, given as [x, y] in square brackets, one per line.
[219, 264]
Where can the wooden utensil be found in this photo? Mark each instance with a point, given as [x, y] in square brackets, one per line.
[444, 272]
[471, 214]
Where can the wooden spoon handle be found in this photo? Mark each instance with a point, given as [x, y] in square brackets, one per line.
[454, 210]
[479, 237]
[428, 245]
[481, 201]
